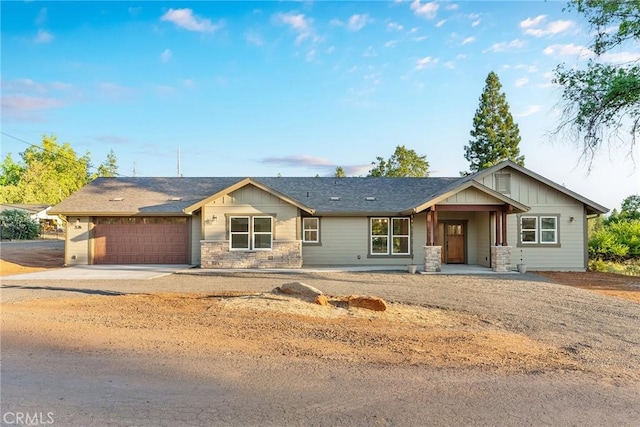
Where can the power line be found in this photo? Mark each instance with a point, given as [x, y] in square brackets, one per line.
[54, 153]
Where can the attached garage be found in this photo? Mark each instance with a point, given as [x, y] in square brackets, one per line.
[141, 240]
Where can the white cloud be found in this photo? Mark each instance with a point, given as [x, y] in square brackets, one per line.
[298, 23]
[450, 65]
[43, 36]
[567, 50]
[505, 46]
[468, 40]
[532, 22]
[425, 62]
[298, 160]
[475, 23]
[165, 56]
[330, 50]
[620, 57]
[25, 108]
[452, 6]
[532, 109]
[336, 22]
[391, 43]
[427, 10]
[521, 82]
[29, 103]
[185, 18]
[440, 23]
[394, 26]
[357, 22]
[534, 27]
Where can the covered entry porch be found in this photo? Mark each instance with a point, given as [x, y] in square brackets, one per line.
[465, 234]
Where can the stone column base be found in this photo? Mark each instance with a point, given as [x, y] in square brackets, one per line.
[501, 258]
[432, 258]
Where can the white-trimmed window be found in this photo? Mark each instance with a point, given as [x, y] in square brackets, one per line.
[541, 230]
[250, 233]
[311, 230]
[390, 236]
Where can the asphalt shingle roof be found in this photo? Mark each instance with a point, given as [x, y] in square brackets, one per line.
[157, 195]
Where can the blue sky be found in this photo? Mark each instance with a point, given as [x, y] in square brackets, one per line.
[294, 88]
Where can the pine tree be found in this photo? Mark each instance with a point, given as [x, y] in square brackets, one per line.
[495, 135]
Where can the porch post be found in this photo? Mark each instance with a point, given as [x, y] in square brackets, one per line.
[498, 228]
[504, 229]
[435, 226]
[429, 223]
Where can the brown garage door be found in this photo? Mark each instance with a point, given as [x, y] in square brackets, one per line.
[141, 240]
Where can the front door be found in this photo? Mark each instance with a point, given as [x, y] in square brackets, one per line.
[454, 243]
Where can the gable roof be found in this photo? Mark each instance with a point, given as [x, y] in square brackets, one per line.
[591, 206]
[314, 195]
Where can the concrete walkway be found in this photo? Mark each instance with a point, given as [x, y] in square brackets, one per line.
[151, 271]
[103, 272]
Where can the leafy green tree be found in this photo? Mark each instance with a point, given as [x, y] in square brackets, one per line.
[49, 173]
[10, 172]
[339, 172]
[496, 137]
[52, 172]
[403, 162]
[17, 224]
[603, 101]
[630, 210]
[108, 168]
[631, 207]
[618, 241]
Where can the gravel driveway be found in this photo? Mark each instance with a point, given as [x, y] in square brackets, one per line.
[601, 332]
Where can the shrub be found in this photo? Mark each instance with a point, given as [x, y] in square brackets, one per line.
[17, 224]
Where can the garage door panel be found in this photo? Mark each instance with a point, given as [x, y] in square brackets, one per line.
[141, 241]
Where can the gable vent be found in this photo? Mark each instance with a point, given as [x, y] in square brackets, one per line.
[116, 199]
[370, 199]
[334, 198]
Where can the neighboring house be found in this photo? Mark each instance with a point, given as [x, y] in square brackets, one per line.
[37, 212]
[497, 218]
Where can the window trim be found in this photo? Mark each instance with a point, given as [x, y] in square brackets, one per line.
[316, 229]
[390, 236]
[251, 233]
[538, 231]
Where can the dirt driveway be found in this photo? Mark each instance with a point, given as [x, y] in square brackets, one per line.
[202, 349]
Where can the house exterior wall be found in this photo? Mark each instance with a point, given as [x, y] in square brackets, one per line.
[345, 241]
[250, 200]
[78, 241]
[545, 200]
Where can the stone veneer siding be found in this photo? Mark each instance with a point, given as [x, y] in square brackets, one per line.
[501, 258]
[285, 254]
[432, 258]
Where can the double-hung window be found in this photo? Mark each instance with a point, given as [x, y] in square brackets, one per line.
[539, 230]
[311, 230]
[389, 236]
[250, 233]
